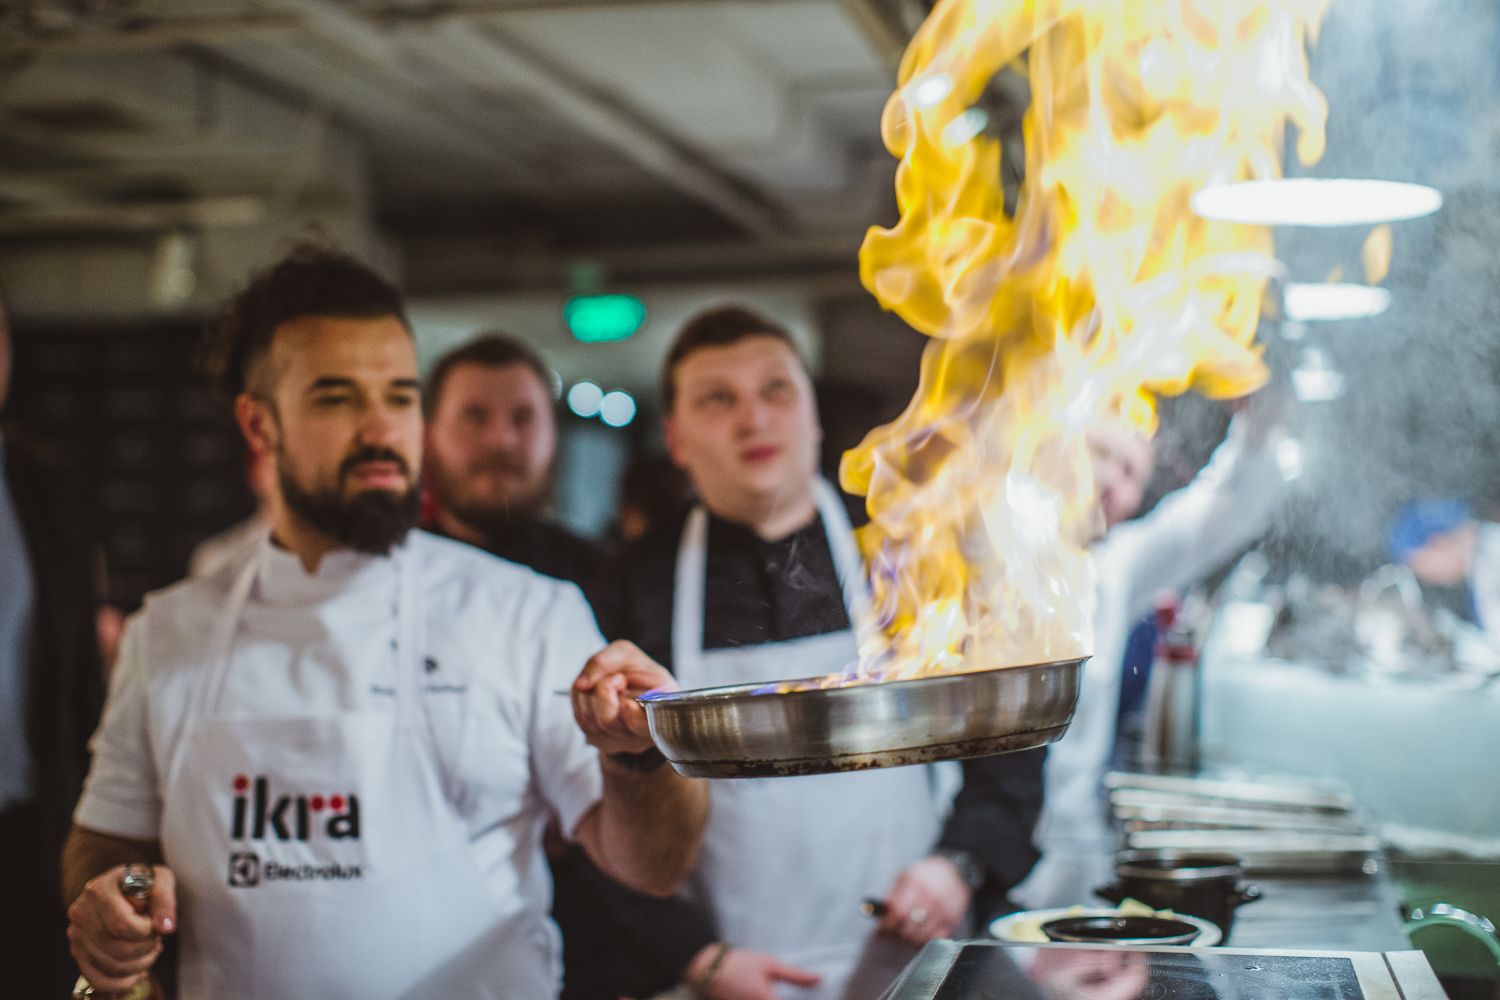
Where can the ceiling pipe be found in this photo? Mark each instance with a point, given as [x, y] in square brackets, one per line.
[198, 213]
[490, 61]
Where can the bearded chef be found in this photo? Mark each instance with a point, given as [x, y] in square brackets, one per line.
[341, 750]
[758, 582]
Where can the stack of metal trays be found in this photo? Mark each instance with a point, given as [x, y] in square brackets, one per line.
[1275, 827]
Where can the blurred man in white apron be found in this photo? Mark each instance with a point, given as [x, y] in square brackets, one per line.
[1191, 532]
[341, 749]
[759, 582]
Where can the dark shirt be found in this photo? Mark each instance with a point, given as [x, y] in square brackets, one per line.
[754, 592]
[548, 549]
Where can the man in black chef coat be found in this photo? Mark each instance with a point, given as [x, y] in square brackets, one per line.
[492, 456]
[741, 421]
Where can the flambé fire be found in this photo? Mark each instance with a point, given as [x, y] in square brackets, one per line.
[1098, 291]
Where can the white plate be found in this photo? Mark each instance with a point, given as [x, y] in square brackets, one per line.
[1005, 927]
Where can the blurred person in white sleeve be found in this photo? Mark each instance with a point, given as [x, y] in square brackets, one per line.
[1190, 533]
[341, 751]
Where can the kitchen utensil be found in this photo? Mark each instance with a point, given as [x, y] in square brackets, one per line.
[1270, 850]
[1203, 885]
[137, 884]
[1283, 796]
[1120, 930]
[796, 727]
[1171, 724]
[1187, 812]
[1025, 927]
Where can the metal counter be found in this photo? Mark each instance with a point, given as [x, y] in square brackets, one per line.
[1357, 913]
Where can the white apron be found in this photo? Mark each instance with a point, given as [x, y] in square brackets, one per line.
[317, 856]
[786, 862]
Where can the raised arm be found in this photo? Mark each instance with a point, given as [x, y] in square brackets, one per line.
[646, 829]
[1197, 528]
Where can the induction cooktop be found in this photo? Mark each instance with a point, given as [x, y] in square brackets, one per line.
[990, 970]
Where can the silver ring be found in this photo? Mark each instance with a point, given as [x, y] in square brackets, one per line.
[918, 915]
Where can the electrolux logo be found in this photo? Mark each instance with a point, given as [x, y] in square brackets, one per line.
[246, 870]
[289, 816]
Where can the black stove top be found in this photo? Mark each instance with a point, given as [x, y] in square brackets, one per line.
[981, 970]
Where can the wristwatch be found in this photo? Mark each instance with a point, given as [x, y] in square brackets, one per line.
[969, 868]
[642, 763]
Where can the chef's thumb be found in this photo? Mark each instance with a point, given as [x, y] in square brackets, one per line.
[791, 974]
[164, 901]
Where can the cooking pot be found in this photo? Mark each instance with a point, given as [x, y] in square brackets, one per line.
[1198, 884]
[1121, 930]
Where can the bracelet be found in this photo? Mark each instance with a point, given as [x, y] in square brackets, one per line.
[642, 763]
[703, 982]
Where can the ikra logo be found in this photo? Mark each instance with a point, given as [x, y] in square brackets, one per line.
[290, 816]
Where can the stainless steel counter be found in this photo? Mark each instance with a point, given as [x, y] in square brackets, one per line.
[1358, 913]
[1343, 914]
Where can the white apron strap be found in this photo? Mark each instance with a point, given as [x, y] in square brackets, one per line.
[221, 640]
[841, 542]
[692, 567]
[687, 595]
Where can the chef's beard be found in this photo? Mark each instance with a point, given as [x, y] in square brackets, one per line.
[488, 517]
[371, 522]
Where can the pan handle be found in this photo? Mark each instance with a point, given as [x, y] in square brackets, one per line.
[1443, 914]
[1245, 893]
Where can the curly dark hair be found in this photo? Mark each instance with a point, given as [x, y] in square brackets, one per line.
[311, 280]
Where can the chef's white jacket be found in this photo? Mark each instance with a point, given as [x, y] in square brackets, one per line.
[1191, 532]
[500, 640]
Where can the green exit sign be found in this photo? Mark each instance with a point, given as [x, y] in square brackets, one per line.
[599, 319]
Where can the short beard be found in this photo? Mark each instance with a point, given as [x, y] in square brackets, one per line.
[490, 520]
[371, 522]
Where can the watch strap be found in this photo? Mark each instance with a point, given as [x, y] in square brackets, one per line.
[969, 868]
[642, 763]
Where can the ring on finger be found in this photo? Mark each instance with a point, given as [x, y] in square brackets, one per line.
[918, 915]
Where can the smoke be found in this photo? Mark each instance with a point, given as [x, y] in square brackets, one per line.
[1411, 89]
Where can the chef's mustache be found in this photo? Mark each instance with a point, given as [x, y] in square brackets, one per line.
[499, 461]
[372, 453]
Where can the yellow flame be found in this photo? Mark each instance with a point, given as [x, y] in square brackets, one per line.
[1376, 254]
[1101, 290]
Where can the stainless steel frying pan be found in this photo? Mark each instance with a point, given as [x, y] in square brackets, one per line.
[752, 731]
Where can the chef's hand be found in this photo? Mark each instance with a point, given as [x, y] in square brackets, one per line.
[604, 697]
[928, 900]
[746, 975]
[114, 945]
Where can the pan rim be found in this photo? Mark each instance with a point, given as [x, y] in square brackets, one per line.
[664, 699]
